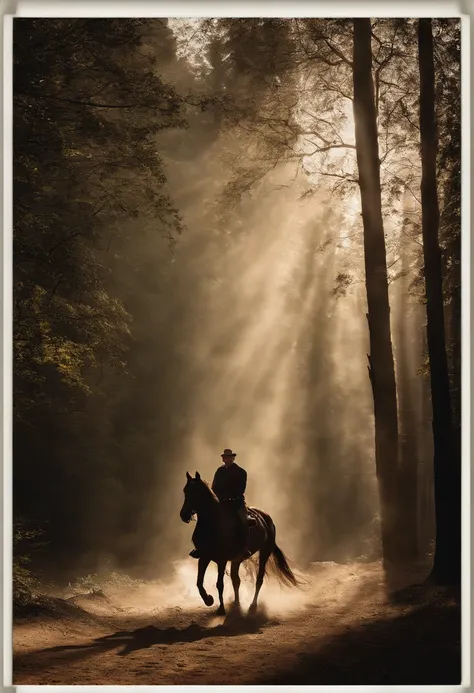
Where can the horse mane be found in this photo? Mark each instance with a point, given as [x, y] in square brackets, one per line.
[209, 490]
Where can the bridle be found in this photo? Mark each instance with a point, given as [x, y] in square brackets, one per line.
[192, 515]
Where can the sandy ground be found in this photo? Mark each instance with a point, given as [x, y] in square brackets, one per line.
[341, 629]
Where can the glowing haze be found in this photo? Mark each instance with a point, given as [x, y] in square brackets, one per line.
[276, 363]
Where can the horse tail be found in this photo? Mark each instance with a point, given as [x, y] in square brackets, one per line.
[278, 562]
[281, 568]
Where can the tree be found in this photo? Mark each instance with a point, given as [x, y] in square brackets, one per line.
[407, 343]
[447, 561]
[448, 119]
[381, 364]
[88, 104]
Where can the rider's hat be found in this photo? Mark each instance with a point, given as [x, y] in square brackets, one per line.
[228, 453]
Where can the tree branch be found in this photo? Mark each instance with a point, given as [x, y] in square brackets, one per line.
[327, 147]
[342, 176]
[92, 104]
[338, 52]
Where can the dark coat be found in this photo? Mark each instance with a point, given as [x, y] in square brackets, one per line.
[230, 482]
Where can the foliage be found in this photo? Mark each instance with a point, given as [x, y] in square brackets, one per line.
[25, 586]
[99, 584]
[89, 103]
[81, 166]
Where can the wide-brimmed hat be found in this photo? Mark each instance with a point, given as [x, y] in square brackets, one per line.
[228, 453]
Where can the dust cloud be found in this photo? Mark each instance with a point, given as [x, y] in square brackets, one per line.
[177, 596]
[180, 593]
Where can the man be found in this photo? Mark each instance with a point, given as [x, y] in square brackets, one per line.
[229, 485]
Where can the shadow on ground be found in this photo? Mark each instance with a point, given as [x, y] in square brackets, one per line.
[235, 623]
[421, 647]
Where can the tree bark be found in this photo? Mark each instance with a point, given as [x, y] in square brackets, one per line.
[381, 364]
[447, 560]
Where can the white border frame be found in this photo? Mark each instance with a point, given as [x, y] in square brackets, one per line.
[244, 8]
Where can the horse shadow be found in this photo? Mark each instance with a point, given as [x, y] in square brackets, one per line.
[235, 623]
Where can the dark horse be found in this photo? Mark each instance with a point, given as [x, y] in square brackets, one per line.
[215, 541]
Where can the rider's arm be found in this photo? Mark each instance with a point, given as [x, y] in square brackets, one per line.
[242, 483]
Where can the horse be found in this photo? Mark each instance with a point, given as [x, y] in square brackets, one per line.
[215, 542]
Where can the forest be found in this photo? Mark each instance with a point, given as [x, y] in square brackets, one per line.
[244, 233]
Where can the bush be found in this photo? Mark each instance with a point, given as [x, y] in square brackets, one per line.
[26, 587]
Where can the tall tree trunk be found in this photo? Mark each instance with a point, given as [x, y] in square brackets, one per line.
[406, 344]
[447, 560]
[381, 365]
[456, 350]
[426, 515]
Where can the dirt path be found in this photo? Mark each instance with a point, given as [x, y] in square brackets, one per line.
[341, 629]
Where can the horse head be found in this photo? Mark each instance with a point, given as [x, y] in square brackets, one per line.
[195, 493]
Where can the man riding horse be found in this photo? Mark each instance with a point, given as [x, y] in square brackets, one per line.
[229, 485]
[215, 532]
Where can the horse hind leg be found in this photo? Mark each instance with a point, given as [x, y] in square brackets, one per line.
[234, 574]
[264, 555]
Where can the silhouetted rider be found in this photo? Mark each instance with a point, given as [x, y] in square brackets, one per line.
[229, 485]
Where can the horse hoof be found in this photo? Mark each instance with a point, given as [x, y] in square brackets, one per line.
[220, 611]
[252, 609]
[209, 600]
[235, 611]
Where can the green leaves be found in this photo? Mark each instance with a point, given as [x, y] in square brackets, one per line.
[87, 104]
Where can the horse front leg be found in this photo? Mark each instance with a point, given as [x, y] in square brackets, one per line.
[220, 586]
[208, 599]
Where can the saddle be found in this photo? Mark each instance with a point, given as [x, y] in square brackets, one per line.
[252, 520]
[232, 501]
